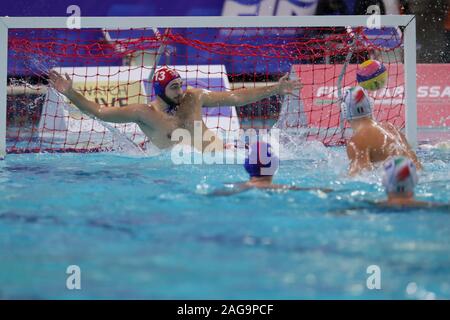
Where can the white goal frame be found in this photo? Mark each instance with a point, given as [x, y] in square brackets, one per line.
[406, 21]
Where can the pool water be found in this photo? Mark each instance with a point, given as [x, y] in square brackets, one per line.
[143, 228]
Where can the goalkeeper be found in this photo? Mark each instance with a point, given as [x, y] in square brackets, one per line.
[173, 108]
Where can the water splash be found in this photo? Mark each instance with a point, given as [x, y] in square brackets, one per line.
[41, 64]
[124, 143]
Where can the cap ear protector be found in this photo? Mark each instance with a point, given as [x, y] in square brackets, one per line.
[356, 103]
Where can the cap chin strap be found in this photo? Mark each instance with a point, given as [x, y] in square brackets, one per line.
[172, 107]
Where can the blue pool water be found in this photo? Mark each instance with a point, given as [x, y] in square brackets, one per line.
[143, 228]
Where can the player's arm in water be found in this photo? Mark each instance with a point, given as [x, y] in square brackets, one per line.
[131, 113]
[383, 206]
[235, 188]
[294, 188]
[359, 155]
[245, 96]
[241, 187]
[414, 204]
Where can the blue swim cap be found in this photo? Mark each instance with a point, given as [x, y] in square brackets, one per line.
[261, 160]
[356, 103]
[400, 175]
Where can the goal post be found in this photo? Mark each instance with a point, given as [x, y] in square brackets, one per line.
[411, 83]
[290, 28]
[3, 86]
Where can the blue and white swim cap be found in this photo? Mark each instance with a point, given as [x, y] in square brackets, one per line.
[261, 160]
[356, 103]
[400, 175]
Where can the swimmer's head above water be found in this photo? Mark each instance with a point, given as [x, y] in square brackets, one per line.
[167, 85]
[399, 180]
[262, 161]
[400, 177]
[356, 104]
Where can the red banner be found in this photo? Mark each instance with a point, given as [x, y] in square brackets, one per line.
[433, 93]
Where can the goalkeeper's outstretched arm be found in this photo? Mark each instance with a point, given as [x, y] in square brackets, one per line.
[245, 96]
[130, 113]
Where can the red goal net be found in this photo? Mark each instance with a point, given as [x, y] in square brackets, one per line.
[113, 68]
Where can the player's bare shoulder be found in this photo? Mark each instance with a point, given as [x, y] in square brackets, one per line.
[388, 126]
[192, 95]
[394, 132]
[146, 113]
[362, 134]
[360, 140]
[193, 98]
